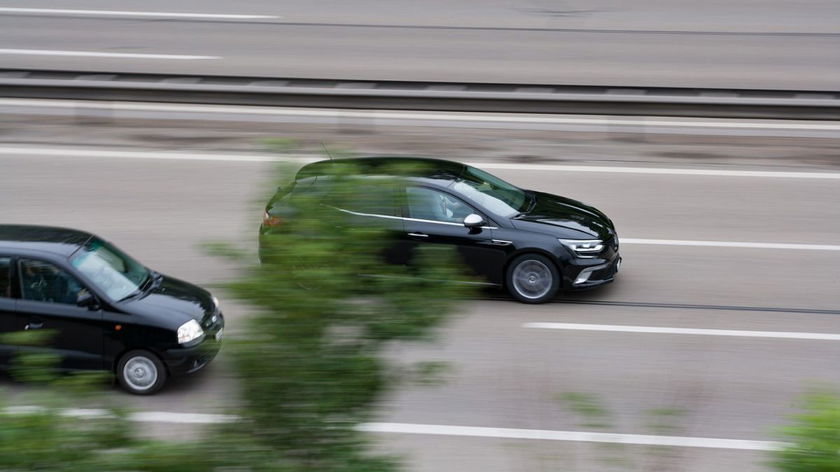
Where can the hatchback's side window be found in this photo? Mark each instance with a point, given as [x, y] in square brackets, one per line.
[428, 204]
[44, 282]
[5, 277]
[378, 198]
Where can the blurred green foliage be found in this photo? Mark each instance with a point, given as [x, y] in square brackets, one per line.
[589, 407]
[814, 437]
[310, 361]
[43, 435]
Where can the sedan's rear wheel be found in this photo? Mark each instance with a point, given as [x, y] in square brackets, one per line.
[532, 278]
[141, 372]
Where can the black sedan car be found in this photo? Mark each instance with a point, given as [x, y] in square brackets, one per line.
[530, 242]
[103, 309]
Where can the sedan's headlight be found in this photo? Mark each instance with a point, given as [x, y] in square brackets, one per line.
[189, 332]
[585, 248]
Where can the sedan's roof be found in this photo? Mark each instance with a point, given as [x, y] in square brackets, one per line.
[416, 167]
[62, 241]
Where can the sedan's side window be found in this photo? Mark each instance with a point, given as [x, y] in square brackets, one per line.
[44, 282]
[428, 204]
[5, 277]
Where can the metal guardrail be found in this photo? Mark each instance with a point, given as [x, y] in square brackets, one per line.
[401, 95]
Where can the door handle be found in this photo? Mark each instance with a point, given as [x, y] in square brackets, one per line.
[418, 235]
[33, 326]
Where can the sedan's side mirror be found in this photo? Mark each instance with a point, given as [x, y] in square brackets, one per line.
[473, 221]
[86, 299]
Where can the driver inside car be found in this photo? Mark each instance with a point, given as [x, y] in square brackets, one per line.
[46, 283]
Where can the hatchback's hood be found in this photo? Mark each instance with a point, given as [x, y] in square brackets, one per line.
[171, 298]
[579, 219]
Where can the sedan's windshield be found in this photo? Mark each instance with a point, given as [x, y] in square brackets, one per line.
[111, 270]
[493, 193]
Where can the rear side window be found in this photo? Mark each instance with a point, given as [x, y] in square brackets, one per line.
[5, 277]
[372, 197]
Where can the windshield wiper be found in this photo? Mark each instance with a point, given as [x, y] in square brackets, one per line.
[130, 295]
[148, 283]
[531, 205]
[533, 201]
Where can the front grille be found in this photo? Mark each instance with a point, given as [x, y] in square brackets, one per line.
[213, 322]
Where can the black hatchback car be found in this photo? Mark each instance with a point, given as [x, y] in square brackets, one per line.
[104, 310]
[530, 242]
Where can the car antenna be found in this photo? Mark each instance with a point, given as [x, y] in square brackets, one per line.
[326, 150]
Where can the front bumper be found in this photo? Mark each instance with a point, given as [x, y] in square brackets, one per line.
[187, 360]
[586, 277]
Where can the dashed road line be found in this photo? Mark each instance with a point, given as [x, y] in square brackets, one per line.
[662, 171]
[109, 55]
[574, 436]
[688, 331]
[449, 430]
[733, 244]
[152, 14]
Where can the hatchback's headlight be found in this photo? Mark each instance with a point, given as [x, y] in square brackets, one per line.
[216, 305]
[584, 248]
[189, 332]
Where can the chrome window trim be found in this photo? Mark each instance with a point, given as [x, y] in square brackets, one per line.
[403, 218]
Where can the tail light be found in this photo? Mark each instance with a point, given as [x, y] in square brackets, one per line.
[271, 221]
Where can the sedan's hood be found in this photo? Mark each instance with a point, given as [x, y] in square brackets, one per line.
[172, 298]
[578, 219]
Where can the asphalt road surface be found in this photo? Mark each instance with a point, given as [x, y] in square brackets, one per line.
[740, 44]
[773, 306]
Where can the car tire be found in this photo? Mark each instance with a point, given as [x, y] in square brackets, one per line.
[141, 373]
[532, 278]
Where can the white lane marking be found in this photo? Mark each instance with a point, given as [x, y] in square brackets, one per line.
[180, 418]
[140, 416]
[56, 11]
[303, 158]
[691, 331]
[577, 436]
[661, 171]
[484, 165]
[114, 154]
[114, 55]
[436, 116]
[445, 430]
[738, 244]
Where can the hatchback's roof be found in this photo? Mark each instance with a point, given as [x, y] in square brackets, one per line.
[417, 167]
[42, 238]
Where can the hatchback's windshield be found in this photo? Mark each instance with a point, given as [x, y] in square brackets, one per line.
[111, 270]
[491, 192]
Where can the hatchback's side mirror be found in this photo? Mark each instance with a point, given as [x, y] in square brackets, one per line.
[86, 299]
[473, 221]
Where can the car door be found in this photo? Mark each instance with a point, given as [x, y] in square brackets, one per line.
[377, 206]
[48, 295]
[7, 309]
[437, 217]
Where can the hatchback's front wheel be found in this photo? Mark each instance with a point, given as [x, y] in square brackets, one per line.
[532, 278]
[141, 372]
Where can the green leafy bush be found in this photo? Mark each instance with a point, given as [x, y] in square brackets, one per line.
[814, 437]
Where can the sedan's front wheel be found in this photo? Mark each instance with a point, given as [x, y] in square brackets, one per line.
[141, 372]
[532, 278]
